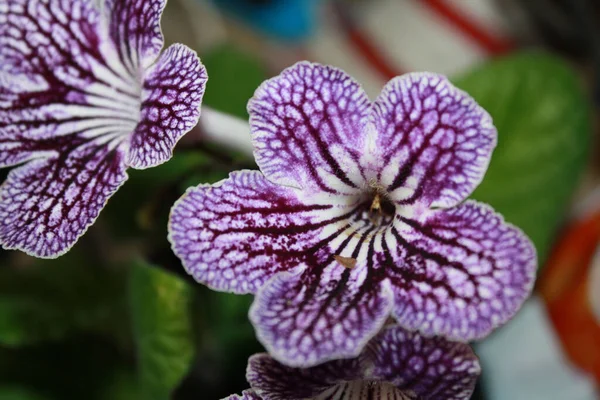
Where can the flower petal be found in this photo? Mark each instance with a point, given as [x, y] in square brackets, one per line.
[135, 29]
[275, 381]
[366, 390]
[58, 77]
[67, 102]
[305, 319]
[70, 95]
[459, 273]
[47, 204]
[173, 90]
[246, 395]
[435, 141]
[307, 128]
[432, 368]
[236, 234]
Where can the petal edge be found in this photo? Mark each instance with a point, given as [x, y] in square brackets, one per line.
[470, 272]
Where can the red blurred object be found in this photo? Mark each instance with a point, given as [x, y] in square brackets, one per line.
[565, 288]
[490, 43]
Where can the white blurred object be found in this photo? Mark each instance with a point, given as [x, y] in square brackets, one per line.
[595, 284]
[223, 129]
[330, 46]
[416, 39]
[197, 23]
[524, 361]
[443, 36]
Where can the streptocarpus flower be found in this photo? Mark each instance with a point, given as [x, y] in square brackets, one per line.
[395, 365]
[358, 214]
[84, 95]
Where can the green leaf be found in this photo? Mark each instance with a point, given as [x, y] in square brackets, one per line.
[18, 393]
[233, 78]
[544, 128]
[226, 340]
[49, 299]
[121, 385]
[78, 367]
[162, 328]
[131, 210]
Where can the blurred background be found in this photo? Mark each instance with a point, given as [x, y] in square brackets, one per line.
[117, 318]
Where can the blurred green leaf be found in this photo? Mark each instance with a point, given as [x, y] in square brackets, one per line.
[204, 178]
[49, 299]
[180, 164]
[18, 393]
[544, 125]
[130, 210]
[163, 334]
[121, 385]
[233, 78]
[226, 340]
[79, 367]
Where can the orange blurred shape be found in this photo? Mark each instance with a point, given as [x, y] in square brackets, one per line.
[565, 288]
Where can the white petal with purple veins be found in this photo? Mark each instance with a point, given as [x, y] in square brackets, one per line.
[278, 382]
[430, 368]
[434, 142]
[460, 273]
[173, 90]
[389, 179]
[237, 234]
[246, 395]
[77, 75]
[47, 204]
[305, 319]
[396, 364]
[307, 126]
[134, 26]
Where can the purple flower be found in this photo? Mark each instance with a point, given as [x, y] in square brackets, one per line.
[83, 96]
[396, 365]
[358, 213]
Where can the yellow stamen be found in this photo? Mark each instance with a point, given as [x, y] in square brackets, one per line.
[376, 212]
[347, 262]
[376, 204]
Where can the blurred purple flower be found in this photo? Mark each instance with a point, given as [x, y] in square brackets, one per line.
[84, 95]
[395, 365]
[358, 213]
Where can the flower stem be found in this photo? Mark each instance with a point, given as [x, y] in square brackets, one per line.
[221, 128]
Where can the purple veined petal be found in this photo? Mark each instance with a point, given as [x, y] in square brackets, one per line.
[275, 381]
[434, 141]
[171, 98]
[65, 89]
[236, 234]
[307, 128]
[367, 390]
[135, 28]
[396, 364]
[54, 80]
[313, 316]
[47, 204]
[458, 273]
[429, 368]
[246, 395]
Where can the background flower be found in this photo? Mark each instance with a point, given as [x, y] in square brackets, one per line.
[395, 365]
[84, 95]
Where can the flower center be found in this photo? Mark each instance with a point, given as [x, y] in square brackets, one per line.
[374, 214]
[382, 209]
